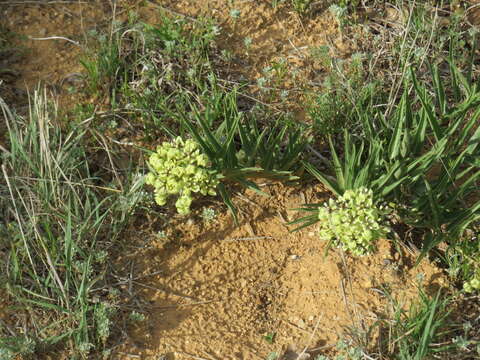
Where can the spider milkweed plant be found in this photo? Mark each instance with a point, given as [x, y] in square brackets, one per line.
[231, 148]
[425, 154]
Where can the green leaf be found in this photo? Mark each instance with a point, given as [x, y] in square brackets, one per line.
[399, 131]
[305, 221]
[337, 166]
[331, 184]
[439, 89]
[427, 106]
[228, 201]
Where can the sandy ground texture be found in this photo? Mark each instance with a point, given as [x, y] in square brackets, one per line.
[275, 35]
[212, 290]
[222, 292]
[49, 39]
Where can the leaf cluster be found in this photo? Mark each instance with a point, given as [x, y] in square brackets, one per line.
[424, 154]
[236, 146]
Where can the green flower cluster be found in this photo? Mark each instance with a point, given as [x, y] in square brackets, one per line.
[179, 168]
[352, 222]
[472, 285]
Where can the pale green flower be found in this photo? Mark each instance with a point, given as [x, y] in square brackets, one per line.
[352, 221]
[183, 204]
[161, 199]
[202, 160]
[190, 146]
[150, 179]
[179, 168]
[467, 287]
[472, 285]
[190, 169]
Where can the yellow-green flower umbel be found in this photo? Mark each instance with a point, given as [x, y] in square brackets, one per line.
[180, 168]
[352, 222]
[472, 285]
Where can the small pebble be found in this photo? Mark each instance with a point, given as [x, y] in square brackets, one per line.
[301, 324]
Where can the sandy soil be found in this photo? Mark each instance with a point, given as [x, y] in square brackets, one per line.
[219, 291]
[222, 289]
[276, 35]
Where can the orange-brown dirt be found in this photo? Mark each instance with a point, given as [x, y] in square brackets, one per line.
[215, 290]
[220, 289]
[276, 34]
[51, 62]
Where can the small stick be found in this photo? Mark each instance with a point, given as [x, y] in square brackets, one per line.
[244, 198]
[295, 326]
[193, 356]
[56, 38]
[129, 355]
[348, 278]
[8, 3]
[249, 97]
[154, 3]
[322, 158]
[250, 229]
[309, 340]
[284, 222]
[323, 347]
[5, 150]
[404, 335]
[130, 279]
[8, 328]
[302, 56]
[248, 238]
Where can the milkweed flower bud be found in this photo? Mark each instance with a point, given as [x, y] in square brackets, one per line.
[473, 284]
[179, 168]
[352, 221]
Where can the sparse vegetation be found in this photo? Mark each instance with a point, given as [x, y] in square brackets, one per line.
[399, 155]
[58, 221]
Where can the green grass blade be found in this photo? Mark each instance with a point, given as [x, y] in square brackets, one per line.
[427, 106]
[394, 145]
[439, 89]
[337, 166]
[228, 201]
[332, 185]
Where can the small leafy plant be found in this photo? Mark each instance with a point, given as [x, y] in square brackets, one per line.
[417, 331]
[301, 6]
[399, 155]
[352, 222]
[464, 262]
[226, 148]
[237, 148]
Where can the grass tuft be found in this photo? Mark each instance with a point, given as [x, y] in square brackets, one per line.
[57, 221]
